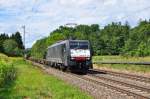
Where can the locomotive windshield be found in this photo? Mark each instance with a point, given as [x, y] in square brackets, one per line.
[79, 45]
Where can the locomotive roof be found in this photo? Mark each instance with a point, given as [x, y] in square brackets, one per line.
[62, 42]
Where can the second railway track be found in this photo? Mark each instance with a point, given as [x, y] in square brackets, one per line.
[124, 75]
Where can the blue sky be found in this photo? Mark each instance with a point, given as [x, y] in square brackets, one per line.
[43, 16]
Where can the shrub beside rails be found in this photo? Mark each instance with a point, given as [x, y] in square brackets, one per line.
[7, 71]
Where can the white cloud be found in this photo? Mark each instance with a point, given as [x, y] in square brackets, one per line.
[75, 2]
[43, 16]
[9, 3]
[110, 2]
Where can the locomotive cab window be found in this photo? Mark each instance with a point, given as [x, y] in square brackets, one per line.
[79, 45]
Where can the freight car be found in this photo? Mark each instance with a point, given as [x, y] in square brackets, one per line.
[73, 55]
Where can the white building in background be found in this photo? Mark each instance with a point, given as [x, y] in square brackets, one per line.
[71, 25]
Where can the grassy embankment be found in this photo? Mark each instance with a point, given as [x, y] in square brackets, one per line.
[132, 68]
[7, 71]
[32, 83]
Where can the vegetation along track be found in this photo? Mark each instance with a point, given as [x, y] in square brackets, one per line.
[136, 90]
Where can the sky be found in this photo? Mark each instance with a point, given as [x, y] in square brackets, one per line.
[43, 16]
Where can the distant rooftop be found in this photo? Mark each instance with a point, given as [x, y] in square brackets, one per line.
[70, 25]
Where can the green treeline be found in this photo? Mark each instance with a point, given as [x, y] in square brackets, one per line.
[11, 45]
[113, 39]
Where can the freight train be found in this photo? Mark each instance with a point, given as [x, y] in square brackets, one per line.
[74, 55]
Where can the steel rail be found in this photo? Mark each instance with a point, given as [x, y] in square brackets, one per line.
[122, 83]
[130, 93]
[131, 63]
[120, 74]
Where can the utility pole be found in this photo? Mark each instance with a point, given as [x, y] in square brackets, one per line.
[24, 32]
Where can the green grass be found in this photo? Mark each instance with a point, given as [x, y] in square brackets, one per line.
[124, 67]
[32, 83]
[7, 70]
[120, 59]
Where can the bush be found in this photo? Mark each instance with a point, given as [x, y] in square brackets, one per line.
[11, 48]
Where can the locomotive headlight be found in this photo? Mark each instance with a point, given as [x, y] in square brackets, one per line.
[72, 58]
[88, 58]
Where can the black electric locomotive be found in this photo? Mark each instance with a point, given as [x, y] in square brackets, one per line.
[74, 55]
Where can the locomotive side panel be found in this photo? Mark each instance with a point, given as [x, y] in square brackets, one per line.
[54, 54]
[57, 53]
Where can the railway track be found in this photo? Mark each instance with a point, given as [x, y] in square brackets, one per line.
[140, 85]
[123, 86]
[108, 80]
[132, 63]
[124, 75]
[126, 90]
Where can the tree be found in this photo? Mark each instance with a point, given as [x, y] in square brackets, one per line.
[95, 28]
[17, 37]
[11, 48]
[114, 37]
[3, 37]
[40, 47]
[138, 41]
